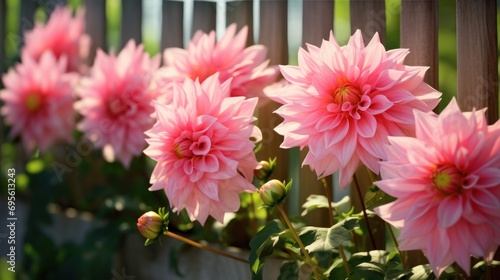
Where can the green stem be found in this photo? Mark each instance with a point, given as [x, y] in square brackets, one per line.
[344, 260]
[393, 237]
[365, 215]
[201, 246]
[329, 197]
[308, 260]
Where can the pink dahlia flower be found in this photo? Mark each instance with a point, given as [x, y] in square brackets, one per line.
[62, 35]
[115, 105]
[205, 56]
[447, 187]
[343, 102]
[203, 148]
[38, 101]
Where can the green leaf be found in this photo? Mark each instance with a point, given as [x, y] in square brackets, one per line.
[340, 233]
[368, 270]
[314, 239]
[262, 245]
[374, 197]
[289, 270]
[315, 201]
[421, 272]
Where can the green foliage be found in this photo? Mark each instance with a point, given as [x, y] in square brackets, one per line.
[316, 201]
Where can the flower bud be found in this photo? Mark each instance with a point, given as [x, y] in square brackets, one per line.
[263, 170]
[150, 225]
[272, 193]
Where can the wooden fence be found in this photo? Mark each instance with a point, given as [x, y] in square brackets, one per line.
[476, 33]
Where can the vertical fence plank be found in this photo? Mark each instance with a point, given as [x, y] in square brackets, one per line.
[368, 16]
[419, 33]
[273, 34]
[3, 33]
[477, 62]
[317, 22]
[240, 12]
[131, 27]
[203, 16]
[28, 8]
[172, 25]
[50, 6]
[95, 18]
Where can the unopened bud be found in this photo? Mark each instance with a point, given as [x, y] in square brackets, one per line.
[272, 193]
[150, 225]
[265, 169]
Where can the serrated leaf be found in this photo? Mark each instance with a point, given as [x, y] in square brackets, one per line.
[262, 245]
[289, 271]
[315, 201]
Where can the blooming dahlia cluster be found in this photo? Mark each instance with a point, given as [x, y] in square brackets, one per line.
[38, 101]
[343, 102]
[63, 35]
[115, 105]
[228, 57]
[203, 148]
[447, 185]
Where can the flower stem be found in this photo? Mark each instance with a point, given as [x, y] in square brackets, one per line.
[365, 215]
[344, 261]
[308, 260]
[201, 246]
[329, 197]
[393, 237]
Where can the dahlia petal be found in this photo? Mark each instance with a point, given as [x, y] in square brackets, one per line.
[449, 211]
[366, 125]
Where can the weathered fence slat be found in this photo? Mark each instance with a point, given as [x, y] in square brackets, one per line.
[50, 6]
[317, 22]
[172, 24]
[3, 33]
[240, 12]
[203, 16]
[273, 34]
[477, 66]
[95, 18]
[369, 17]
[419, 33]
[131, 27]
[28, 8]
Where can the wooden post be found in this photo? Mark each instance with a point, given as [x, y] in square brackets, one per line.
[3, 33]
[95, 17]
[203, 16]
[419, 33]
[477, 63]
[131, 27]
[172, 25]
[28, 8]
[317, 22]
[240, 12]
[50, 6]
[273, 34]
[369, 17]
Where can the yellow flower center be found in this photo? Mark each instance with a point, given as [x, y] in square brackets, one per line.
[33, 102]
[447, 179]
[347, 92]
